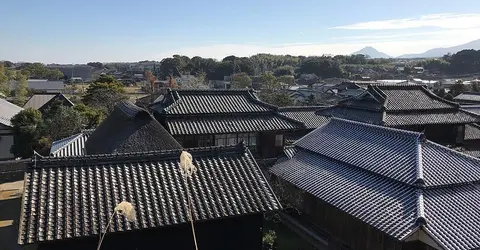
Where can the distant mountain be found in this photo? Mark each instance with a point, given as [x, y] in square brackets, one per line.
[439, 52]
[371, 52]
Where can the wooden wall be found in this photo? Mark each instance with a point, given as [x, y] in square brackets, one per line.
[239, 233]
[342, 230]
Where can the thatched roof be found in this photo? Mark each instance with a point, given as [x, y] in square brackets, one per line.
[129, 129]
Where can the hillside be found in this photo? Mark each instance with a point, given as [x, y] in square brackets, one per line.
[371, 52]
[439, 52]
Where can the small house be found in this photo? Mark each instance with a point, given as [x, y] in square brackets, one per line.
[198, 118]
[366, 186]
[43, 101]
[406, 106]
[7, 112]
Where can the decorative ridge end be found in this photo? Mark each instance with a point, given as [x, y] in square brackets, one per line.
[420, 221]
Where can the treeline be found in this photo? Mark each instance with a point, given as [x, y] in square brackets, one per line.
[279, 65]
[346, 66]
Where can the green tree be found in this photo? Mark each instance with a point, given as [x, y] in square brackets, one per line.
[21, 91]
[55, 126]
[104, 94]
[309, 101]
[269, 81]
[92, 117]
[277, 98]
[241, 81]
[54, 74]
[4, 80]
[27, 126]
[284, 70]
[321, 66]
[458, 88]
[287, 79]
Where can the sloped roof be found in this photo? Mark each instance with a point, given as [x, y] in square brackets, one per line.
[73, 197]
[400, 105]
[189, 112]
[39, 101]
[70, 146]
[128, 129]
[305, 115]
[7, 111]
[41, 84]
[468, 97]
[186, 102]
[231, 124]
[394, 180]
[472, 108]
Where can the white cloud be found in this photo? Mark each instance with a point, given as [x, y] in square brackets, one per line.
[446, 21]
[393, 45]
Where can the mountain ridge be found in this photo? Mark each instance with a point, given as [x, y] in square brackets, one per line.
[439, 52]
[371, 52]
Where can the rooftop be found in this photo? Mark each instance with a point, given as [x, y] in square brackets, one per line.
[68, 198]
[71, 146]
[305, 115]
[129, 128]
[399, 105]
[394, 180]
[40, 101]
[184, 102]
[468, 97]
[7, 111]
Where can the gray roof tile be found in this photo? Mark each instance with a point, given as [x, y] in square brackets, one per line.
[472, 131]
[305, 115]
[473, 97]
[70, 146]
[399, 105]
[212, 102]
[236, 124]
[73, 197]
[7, 111]
[392, 179]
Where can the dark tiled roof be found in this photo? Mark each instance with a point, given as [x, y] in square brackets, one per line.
[472, 108]
[7, 111]
[433, 117]
[73, 197]
[361, 115]
[472, 131]
[473, 97]
[230, 124]
[38, 84]
[305, 115]
[399, 105]
[392, 179]
[39, 101]
[70, 146]
[179, 102]
[412, 97]
[129, 128]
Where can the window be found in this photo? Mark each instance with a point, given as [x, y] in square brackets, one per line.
[200, 140]
[208, 140]
[244, 137]
[278, 140]
[220, 140]
[252, 139]
[231, 139]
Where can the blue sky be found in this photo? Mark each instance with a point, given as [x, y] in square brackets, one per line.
[81, 31]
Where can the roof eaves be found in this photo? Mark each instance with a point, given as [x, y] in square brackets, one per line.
[70, 140]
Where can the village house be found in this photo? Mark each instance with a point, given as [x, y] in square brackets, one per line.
[128, 129]
[305, 115]
[365, 186]
[468, 98]
[7, 112]
[410, 107]
[42, 86]
[198, 118]
[71, 146]
[43, 101]
[68, 202]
